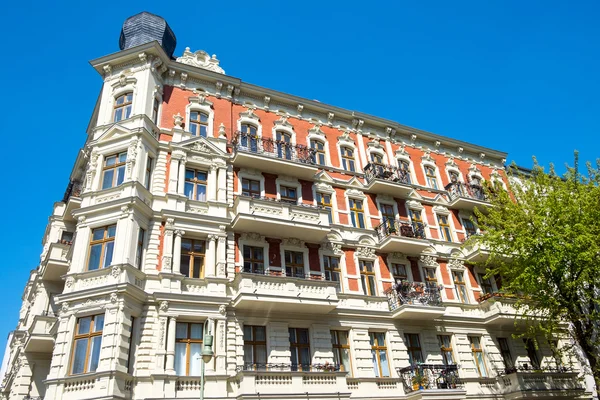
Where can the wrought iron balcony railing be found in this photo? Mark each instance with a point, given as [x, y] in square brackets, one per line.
[246, 142]
[460, 189]
[414, 293]
[282, 273]
[400, 228]
[528, 368]
[430, 376]
[327, 367]
[500, 295]
[73, 190]
[282, 201]
[386, 173]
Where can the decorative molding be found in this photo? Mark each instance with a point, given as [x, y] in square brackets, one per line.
[164, 306]
[249, 113]
[200, 99]
[178, 121]
[355, 193]
[252, 236]
[116, 271]
[441, 210]
[334, 248]
[200, 59]
[455, 263]
[223, 309]
[324, 187]
[429, 261]
[345, 138]
[365, 252]
[292, 242]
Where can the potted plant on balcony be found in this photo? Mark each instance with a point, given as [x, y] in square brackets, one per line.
[419, 379]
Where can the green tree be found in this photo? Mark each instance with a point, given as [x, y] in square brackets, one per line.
[543, 240]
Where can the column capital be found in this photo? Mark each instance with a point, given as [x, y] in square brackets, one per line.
[179, 232]
[212, 238]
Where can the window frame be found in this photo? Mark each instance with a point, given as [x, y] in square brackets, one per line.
[338, 348]
[477, 348]
[376, 349]
[195, 182]
[431, 176]
[413, 350]
[198, 123]
[139, 251]
[395, 273]
[320, 197]
[460, 286]
[252, 260]
[250, 192]
[115, 169]
[319, 153]
[255, 343]
[444, 228]
[365, 274]
[348, 161]
[505, 353]
[126, 108]
[356, 213]
[188, 342]
[192, 254]
[297, 346]
[284, 194]
[330, 271]
[446, 349]
[148, 172]
[104, 241]
[88, 336]
[293, 265]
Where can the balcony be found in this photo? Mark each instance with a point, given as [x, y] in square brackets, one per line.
[279, 380]
[55, 264]
[400, 236]
[41, 334]
[500, 310]
[271, 290]
[387, 179]
[425, 377]
[274, 156]
[269, 217]
[415, 301]
[465, 196]
[525, 382]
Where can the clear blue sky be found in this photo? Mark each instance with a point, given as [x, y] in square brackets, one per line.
[517, 76]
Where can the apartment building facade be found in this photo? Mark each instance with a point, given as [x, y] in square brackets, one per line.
[321, 248]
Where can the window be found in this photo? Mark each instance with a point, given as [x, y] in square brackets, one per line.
[377, 160]
[532, 353]
[66, 237]
[148, 174]
[122, 107]
[444, 228]
[357, 213]
[198, 123]
[454, 176]
[486, 284]
[250, 188]
[131, 347]
[324, 200]
[460, 288]
[347, 159]
[478, 355]
[255, 347]
[387, 214]
[470, 228]
[431, 177]
[445, 342]
[195, 184]
[284, 145]
[505, 352]
[86, 344]
[139, 252]
[249, 137]
[101, 247]
[555, 353]
[254, 260]
[367, 277]
[289, 194]
[319, 155]
[404, 172]
[294, 264]
[399, 272]
[192, 258]
[332, 268]
[381, 366]
[430, 276]
[188, 347]
[417, 223]
[113, 170]
[300, 349]
[413, 347]
[341, 350]
[155, 107]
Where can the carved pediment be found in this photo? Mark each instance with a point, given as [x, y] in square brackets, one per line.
[201, 145]
[200, 59]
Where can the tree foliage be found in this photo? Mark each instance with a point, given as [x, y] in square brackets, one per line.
[543, 240]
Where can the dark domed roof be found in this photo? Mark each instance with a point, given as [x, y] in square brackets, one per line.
[146, 27]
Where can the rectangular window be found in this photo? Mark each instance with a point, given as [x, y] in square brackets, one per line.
[319, 148]
[431, 177]
[381, 367]
[86, 344]
[445, 342]
[444, 228]
[399, 272]
[413, 346]
[332, 268]
[478, 356]
[139, 252]
[505, 352]
[367, 277]
[299, 349]
[341, 350]
[324, 200]
[417, 223]
[192, 258]
[430, 276]
[188, 348]
[113, 170]
[148, 174]
[122, 107]
[255, 347]
[198, 123]
[460, 287]
[347, 159]
[288, 194]
[131, 351]
[254, 260]
[155, 107]
[66, 237]
[387, 214]
[486, 284]
[470, 228]
[294, 264]
[250, 188]
[357, 214]
[532, 353]
[101, 247]
[195, 184]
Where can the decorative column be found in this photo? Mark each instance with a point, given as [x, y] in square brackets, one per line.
[210, 256]
[167, 261]
[181, 177]
[177, 251]
[173, 173]
[170, 366]
[212, 186]
[222, 184]
[221, 256]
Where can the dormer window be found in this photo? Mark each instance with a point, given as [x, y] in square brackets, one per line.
[431, 177]
[347, 158]
[122, 107]
[198, 123]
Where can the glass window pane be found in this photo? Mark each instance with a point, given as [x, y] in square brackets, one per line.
[122, 157]
[197, 266]
[189, 174]
[108, 253]
[385, 370]
[374, 361]
[186, 245]
[188, 190]
[380, 338]
[261, 354]
[303, 336]
[94, 356]
[181, 330]
[305, 356]
[84, 325]
[345, 360]
[184, 265]
[180, 358]
[98, 234]
[292, 335]
[110, 160]
[195, 349]
[343, 338]
[79, 357]
[248, 354]
[112, 230]
[95, 252]
[260, 332]
[98, 323]
[201, 176]
[200, 192]
[196, 331]
[107, 178]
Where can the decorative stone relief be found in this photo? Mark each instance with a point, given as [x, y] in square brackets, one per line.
[222, 309]
[414, 205]
[293, 242]
[164, 306]
[455, 263]
[252, 236]
[365, 252]
[441, 210]
[116, 271]
[178, 121]
[69, 282]
[429, 261]
[334, 248]
[200, 59]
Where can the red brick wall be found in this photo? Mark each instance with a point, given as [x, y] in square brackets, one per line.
[270, 186]
[274, 252]
[314, 261]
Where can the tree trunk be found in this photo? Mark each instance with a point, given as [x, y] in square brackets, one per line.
[589, 350]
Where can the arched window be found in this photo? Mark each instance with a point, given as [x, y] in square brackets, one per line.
[249, 138]
[404, 173]
[347, 158]
[319, 155]
[431, 177]
[284, 145]
[122, 107]
[198, 123]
